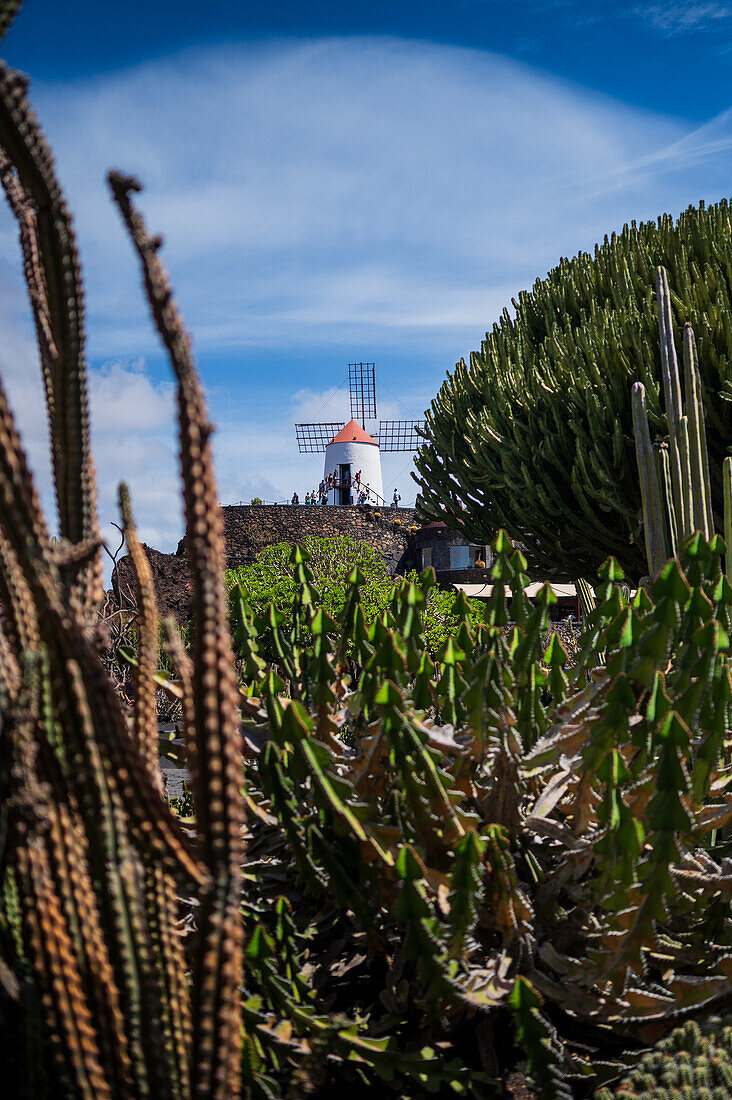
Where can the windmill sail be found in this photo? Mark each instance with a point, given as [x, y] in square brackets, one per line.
[392, 435]
[313, 438]
[362, 388]
[400, 435]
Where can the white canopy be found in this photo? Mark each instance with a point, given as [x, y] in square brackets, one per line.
[561, 591]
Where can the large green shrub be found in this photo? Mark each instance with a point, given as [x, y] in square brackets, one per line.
[269, 581]
[536, 434]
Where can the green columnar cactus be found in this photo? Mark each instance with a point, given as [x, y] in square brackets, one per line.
[678, 445]
[654, 512]
[699, 454]
[694, 1061]
[727, 477]
[678, 502]
[535, 435]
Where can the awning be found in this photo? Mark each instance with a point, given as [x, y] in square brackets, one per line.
[561, 591]
[478, 591]
[475, 590]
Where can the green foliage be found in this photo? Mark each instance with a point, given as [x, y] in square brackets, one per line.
[552, 850]
[539, 1039]
[536, 435]
[183, 803]
[694, 1061]
[442, 615]
[270, 581]
[675, 484]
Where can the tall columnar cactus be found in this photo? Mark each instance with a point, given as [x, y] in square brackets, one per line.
[536, 434]
[652, 502]
[93, 854]
[218, 760]
[676, 494]
[53, 278]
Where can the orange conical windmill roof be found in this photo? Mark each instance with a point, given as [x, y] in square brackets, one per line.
[353, 433]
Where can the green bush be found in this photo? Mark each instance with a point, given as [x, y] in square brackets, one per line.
[269, 582]
[443, 612]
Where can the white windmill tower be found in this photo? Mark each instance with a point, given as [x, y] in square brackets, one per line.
[352, 455]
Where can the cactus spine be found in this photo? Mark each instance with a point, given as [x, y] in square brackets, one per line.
[694, 1061]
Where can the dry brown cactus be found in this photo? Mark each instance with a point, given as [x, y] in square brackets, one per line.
[92, 971]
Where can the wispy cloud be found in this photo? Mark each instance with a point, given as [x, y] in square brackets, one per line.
[293, 194]
[325, 200]
[677, 17]
[673, 19]
[132, 431]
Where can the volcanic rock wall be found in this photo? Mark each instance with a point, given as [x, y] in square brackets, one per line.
[248, 529]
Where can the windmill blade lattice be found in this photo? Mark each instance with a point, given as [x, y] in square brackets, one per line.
[314, 438]
[362, 388]
[399, 435]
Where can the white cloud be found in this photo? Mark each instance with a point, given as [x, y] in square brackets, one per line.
[131, 434]
[22, 381]
[325, 200]
[296, 197]
[676, 17]
[132, 440]
[680, 18]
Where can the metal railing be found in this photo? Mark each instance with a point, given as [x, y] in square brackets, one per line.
[379, 503]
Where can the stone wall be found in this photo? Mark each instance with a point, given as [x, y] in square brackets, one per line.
[248, 529]
[172, 580]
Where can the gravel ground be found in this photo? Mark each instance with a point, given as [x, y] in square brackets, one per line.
[173, 776]
[568, 633]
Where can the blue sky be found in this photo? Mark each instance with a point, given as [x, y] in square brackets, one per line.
[339, 182]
